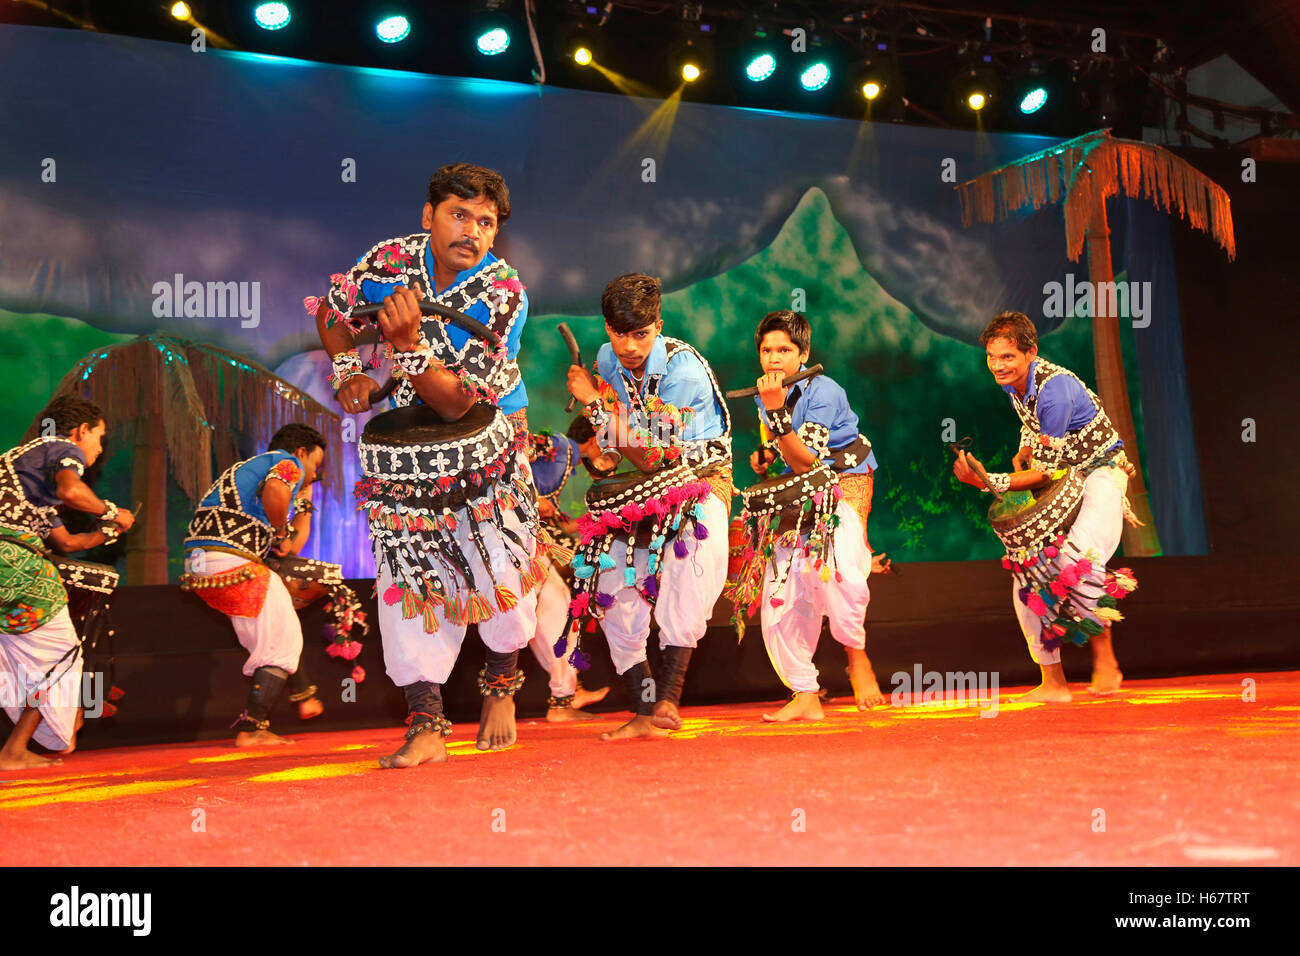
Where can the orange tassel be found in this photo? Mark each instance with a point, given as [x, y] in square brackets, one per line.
[479, 609]
[505, 598]
[560, 554]
[430, 618]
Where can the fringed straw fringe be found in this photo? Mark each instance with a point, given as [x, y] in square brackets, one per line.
[1089, 170]
[198, 389]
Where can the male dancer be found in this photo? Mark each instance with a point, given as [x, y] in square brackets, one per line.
[1063, 424]
[451, 262]
[243, 518]
[553, 459]
[37, 637]
[641, 364]
[808, 422]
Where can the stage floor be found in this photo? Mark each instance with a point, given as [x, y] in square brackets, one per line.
[1170, 772]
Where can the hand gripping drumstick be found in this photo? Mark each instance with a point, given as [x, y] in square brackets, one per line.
[454, 316]
[574, 354]
[794, 379]
[975, 466]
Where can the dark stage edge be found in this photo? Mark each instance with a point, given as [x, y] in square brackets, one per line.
[180, 665]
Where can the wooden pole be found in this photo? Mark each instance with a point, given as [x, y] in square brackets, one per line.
[1112, 387]
[146, 549]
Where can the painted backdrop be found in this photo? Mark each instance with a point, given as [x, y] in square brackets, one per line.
[135, 163]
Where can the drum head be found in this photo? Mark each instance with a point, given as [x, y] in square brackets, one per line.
[420, 424]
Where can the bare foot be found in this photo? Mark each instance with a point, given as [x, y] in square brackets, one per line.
[1106, 680]
[642, 725]
[582, 697]
[259, 738]
[561, 715]
[866, 691]
[26, 760]
[496, 723]
[309, 708]
[666, 716]
[804, 706]
[425, 747]
[1047, 694]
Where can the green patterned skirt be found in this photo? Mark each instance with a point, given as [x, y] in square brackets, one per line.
[31, 592]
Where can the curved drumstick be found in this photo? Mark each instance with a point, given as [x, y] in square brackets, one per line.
[794, 379]
[574, 354]
[959, 447]
[454, 316]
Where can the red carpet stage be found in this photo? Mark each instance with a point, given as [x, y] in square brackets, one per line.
[1180, 771]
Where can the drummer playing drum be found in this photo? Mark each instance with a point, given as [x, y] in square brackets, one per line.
[811, 423]
[40, 655]
[1063, 426]
[466, 564]
[643, 376]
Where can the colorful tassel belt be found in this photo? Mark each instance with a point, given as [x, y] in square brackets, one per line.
[794, 511]
[634, 503]
[789, 498]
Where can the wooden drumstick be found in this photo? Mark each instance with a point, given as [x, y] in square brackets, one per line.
[976, 467]
[794, 379]
[574, 354]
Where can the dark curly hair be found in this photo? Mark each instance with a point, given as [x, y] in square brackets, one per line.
[1015, 326]
[793, 324]
[69, 411]
[468, 181]
[631, 302]
[296, 435]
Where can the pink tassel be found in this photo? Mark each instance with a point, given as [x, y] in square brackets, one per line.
[392, 594]
[631, 512]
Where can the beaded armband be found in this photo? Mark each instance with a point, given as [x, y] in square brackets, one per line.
[107, 522]
[415, 362]
[779, 422]
[999, 482]
[345, 365]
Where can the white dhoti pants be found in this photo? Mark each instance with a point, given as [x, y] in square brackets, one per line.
[24, 661]
[552, 613]
[274, 637]
[411, 654]
[689, 587]
[1099, 527]
[791, 631]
